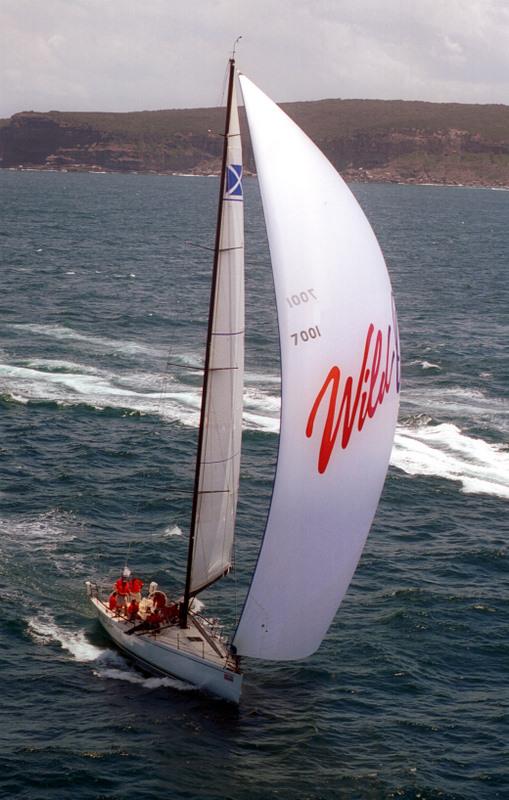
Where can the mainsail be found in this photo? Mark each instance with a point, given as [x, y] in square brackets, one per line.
[340, 388]
[217, 475]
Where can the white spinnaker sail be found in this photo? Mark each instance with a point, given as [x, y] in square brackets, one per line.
[220, 457]
[340, 389]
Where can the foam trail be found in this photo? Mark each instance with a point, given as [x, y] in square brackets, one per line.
[44, 630]
[444, 451]
[130, 676]
[459, 403]
[53, 364]
[107, 345]
[100, 390]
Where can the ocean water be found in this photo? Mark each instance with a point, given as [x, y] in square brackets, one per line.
[103, 300]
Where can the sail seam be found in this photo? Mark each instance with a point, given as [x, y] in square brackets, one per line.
[214, 491]
[228, 333]
[223, 460]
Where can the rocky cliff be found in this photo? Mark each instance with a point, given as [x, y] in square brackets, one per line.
[59, 141]
[365, 139]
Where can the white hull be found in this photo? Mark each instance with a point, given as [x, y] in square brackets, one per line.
[191, 654]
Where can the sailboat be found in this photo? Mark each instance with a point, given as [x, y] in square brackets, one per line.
[340, 367]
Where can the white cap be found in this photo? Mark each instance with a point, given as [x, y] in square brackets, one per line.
[126, 572]
[152, 587]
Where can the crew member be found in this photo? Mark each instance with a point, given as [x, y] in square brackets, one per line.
[122, 588]
[135, 587]
[132, 609]
[145, 607]
[154, 619]
[170, 613]
[159, 599]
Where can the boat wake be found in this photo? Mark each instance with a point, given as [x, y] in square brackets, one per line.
[132, 676]
[90, 343]
[69, 384]
[45, 631]
[444, 451]
[110, 665]
[458, 403]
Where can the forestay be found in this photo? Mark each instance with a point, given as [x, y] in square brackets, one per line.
[340, 389]
[218, 481]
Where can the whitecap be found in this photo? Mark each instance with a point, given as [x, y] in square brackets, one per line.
[130, 676]
[18, 398]
[172, 530]
[41, 531]
[459, 402]
[445, 451]
[424, 364]
[258, 422]
[44, 630]
[67, 382]
[52, 364]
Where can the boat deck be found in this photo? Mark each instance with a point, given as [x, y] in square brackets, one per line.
[200, 639]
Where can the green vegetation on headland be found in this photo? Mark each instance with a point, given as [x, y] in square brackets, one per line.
[367, 140]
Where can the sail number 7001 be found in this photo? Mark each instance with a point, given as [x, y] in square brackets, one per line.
[295, 300]
[306, 335]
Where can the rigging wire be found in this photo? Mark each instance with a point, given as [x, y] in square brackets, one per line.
[224, 87]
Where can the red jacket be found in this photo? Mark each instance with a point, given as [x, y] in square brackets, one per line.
[132, 608]
[171, 612]
[122, 587]
[135, 585]
[159, 599]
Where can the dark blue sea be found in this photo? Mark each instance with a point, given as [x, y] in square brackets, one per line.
[103, 301]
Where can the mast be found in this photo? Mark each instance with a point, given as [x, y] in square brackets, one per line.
[184, 609]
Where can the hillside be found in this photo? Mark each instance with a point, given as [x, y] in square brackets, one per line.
[382, 140]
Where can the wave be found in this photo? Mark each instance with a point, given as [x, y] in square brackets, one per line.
[103, 390]
[58, 365]
[43, 531]
[131, 676]
[424, 364]
[44, 630]
[110, 665]
[458, 403]
[41, 542]
[97, 388]
[172, 530]
[420, 448]
[61, 332]
[444, 451]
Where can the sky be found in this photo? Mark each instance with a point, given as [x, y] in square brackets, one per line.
[132, 55]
